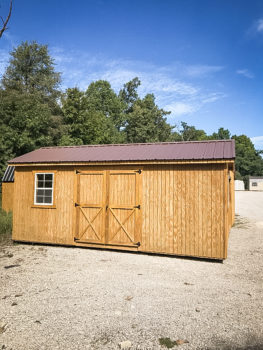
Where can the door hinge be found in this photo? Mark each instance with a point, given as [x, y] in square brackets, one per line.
[76, 205]
[138, 244]
[138, 171]
[138, 206]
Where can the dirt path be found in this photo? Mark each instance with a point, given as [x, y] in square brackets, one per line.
[71, 298]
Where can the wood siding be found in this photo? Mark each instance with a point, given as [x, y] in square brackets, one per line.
[183, 208]
[39, 224]
[7, 196]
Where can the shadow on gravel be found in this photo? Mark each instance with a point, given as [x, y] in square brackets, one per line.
[5, 240]
[234, 347]
[181, 257]
[251, 343]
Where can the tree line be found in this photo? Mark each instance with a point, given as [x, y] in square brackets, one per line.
[34, 112]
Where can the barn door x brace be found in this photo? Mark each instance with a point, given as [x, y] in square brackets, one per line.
[117, 224]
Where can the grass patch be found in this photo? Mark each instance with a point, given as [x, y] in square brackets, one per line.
[240, 222]
[5, 223]
[167, 342]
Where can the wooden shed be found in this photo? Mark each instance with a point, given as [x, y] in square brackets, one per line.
[172, 198]
[8, 189]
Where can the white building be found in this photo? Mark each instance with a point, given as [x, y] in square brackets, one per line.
[239, 185]
[255, 183]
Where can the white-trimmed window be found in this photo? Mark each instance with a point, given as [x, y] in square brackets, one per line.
[44, 187]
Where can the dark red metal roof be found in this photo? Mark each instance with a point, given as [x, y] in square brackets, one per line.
[193, 150]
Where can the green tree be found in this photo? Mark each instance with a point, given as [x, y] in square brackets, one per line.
[248, 160]
[31, 71]
[73, 109]
[187, 132]
[146, 122]
[87, 118]
[24, 124]
[238, 175]
[29, 109]
[129, 94]
[100, 97]
[221, 134]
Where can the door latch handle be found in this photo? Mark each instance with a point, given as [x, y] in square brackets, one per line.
[137, 206]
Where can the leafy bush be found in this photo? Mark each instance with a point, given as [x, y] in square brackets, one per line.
[5, 222]
[238, 176]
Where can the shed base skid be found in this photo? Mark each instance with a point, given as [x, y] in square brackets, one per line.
[122, 249]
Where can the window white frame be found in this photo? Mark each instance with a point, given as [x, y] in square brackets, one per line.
[44, 188]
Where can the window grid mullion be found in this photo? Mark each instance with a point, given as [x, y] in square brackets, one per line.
[44, 189]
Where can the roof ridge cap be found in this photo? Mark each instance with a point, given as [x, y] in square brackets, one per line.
[138, 144]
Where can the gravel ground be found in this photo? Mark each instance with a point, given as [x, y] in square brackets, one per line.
[72, 298]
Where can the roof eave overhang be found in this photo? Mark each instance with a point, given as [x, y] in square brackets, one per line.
[128, 162]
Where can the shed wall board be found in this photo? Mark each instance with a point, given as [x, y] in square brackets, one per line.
[183, 209]
[7, 196]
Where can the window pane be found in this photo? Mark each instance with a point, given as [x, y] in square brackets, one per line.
[49, 177]
[48, 184]
[48, 200]
[39, 200]
[40, 177]
[40, 184]
[40, 193]
[48, 193]
[44, 188]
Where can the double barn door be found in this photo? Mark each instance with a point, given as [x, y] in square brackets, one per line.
[108, 208]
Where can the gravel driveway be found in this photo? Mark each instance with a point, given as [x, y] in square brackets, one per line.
[73, 298]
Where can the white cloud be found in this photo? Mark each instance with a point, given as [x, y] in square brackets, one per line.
[80, 69]
[10, 39]
[258, 141]
[4, 57]
[197, 71]
[180, 108]
[255, 29]
[151, 81]
[245, 73]
[170, 84]
[259, 25]
[212, 97]
[190, 105]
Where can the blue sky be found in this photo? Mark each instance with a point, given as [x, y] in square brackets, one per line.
[202, 59]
